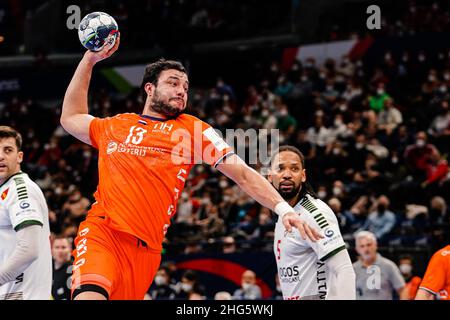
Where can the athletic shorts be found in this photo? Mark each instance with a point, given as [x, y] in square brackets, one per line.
[111, 262]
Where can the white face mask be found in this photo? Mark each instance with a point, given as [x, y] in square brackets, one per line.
[405, 268]
[380, 91]
[265, 113]
[186, 287]
[322, 194]
[359, 145]
[420, 143]
[160, 280]
[246, 286]
[223, 184]
[337, 191]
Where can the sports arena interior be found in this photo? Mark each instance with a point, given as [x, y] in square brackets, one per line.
[368, 108]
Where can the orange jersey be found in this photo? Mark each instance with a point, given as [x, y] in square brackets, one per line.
[143, 164]
[437, 276]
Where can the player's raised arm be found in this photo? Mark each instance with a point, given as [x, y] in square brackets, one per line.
[262, 191]
[75, 118]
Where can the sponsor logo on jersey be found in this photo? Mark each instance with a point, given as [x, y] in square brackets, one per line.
[135, 150]
[24, 204]
[321, 279]
[329, 233]
[162, 128]
[289, 274]
[112, 147]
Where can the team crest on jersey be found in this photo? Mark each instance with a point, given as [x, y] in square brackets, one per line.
[112, 147]
[4, 194]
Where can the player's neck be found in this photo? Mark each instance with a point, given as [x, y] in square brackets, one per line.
[293, 202]
[2, 181]
[148, 111]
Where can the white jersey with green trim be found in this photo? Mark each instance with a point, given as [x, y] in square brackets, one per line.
[301, 263]
[22, 203]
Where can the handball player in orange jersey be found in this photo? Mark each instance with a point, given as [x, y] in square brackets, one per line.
[144, 160]
[435, 284]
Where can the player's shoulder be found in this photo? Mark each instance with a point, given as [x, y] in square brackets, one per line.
[19, 186]
[123, 117]
[120, 117]
[315, 205]
[443, 253]
[189, 120]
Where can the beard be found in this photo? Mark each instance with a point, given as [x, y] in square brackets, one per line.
[288, 195]
[164, 108]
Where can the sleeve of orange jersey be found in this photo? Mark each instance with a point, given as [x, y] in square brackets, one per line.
[212, 147]
[96, 131]
[434, 278]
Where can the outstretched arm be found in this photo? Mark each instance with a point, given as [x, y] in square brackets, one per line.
[262, 191]
[423, 294]
[342, 285]
[74, 116]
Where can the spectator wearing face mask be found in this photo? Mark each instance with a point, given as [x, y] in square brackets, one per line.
[249, 290]
[389, 118]
[377, 101]
[417, 155]
[437, 171]
[228, 245]
[439, 128]
[189, 283]
[161, 288]
[380, 221]
[412, 282]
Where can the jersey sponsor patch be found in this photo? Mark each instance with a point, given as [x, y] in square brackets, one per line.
[215, 139]
[24, 210]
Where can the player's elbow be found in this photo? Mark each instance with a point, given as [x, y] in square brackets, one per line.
[30, 251]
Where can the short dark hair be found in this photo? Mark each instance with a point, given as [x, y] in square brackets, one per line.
[8, 132]
[153, 70]
[291, 149]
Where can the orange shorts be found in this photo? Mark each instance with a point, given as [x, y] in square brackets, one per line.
[118, 262]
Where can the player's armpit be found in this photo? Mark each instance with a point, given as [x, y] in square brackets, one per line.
[78, 126]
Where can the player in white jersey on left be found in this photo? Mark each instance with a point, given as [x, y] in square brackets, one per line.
[308, 270]
[25, 254]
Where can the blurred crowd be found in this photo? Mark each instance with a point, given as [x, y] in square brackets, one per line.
[376, 145]
[156, 23]
[152, 23]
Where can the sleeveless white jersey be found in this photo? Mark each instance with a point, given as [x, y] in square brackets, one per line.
[22, 203]
[301, 263]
